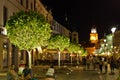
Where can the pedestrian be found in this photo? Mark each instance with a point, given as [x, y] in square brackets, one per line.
[11, 74]
[106, 65]
[88, 61]
[84, 60]
[27, 73]
[100, 64]
[94, 62]
[50, 74]
[112, 65]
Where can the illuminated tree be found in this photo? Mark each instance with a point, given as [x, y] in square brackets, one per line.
[60, 43]
[83, 52]
[74, 48]
[28, 30]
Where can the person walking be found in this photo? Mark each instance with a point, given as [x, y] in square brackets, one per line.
[88, 62]
[112, 65]
[106, 64]
[100, 64]
[94, 62]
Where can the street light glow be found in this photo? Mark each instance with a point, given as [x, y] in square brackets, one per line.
[113, 29]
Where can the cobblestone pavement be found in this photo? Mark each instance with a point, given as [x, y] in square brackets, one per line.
[72, 73]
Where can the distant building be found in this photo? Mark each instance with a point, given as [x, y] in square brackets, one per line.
[116, 43]
[116, 38]
[93, 45]
[74, 37]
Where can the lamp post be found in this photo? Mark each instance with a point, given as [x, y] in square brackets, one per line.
[113, 29]
[105, 46]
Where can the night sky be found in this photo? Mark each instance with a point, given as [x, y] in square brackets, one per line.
[82, 14]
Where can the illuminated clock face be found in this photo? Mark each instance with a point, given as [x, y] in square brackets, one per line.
[93, 38]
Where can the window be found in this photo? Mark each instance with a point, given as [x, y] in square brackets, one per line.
[21, 2]
[5, 55]
[5, 15]
[1, 30]
[5, 45]
[34, 5]
[74, 35]
[74, 39]
[31, 6]
[26, 4]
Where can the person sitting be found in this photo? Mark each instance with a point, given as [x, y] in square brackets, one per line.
[27, 73]
[11, 74]
[21, 68]
[50, 73]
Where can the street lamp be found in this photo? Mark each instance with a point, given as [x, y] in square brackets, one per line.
[113, 29]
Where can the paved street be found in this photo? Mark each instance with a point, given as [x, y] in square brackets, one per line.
[73, 73]
[80, 74]
[87, 75]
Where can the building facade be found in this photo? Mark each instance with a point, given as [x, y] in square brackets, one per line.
[116, 44]
[60, 29]
[7, 8]
[116, 38]
[11, 54]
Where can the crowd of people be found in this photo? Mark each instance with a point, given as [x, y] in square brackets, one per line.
[101, 63]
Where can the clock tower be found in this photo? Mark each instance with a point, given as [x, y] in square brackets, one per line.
[93, 35]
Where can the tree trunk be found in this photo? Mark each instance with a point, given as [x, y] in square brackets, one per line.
[29, 59]
[77, 59]
[71, 58]
[59, 59]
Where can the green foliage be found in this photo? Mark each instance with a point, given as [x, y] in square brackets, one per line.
[28, 30]
[73, 48]
[59, 42]
[84, 52]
